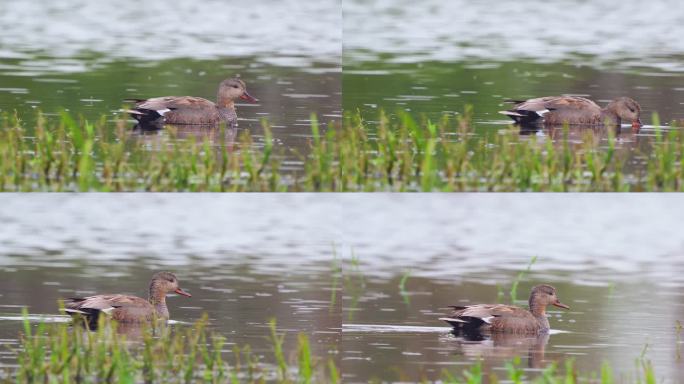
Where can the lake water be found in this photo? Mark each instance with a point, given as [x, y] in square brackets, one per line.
[434, 57]
[241, 266]
[87, 57]
[615, 259]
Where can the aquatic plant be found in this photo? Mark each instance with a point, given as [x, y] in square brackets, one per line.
[354, 285]
[61, 353]
[551, 374]
[514, 285]
[394, 153]
[513, 291]
[336, 273]
[402, 287]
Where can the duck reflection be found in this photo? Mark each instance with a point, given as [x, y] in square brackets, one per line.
[574, 133]
[626, 140]
[498, 345]
[209, 131]
[154, 136]
[132, 331]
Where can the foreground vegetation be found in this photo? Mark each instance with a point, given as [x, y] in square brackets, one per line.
[61, 353]
[552, 374]
[398, 154]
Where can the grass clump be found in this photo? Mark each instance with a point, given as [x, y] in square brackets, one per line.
[71, 155]
[551, 374]
[394, 153]
[61, 353]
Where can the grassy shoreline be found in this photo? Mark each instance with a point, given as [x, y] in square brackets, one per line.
[398, 154]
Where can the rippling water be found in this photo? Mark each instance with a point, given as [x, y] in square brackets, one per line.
[626, 34]
[434, 58]
[247, 258]
[244, 261]
[86, 57]
[278, 32]
[610, 236]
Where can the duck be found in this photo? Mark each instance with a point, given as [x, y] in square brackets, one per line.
[574, 110]
[125, 308]
[507, 318]
[190, 110]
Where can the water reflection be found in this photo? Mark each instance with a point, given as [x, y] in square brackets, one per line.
[501, 347]
[589, 137]
[574, 133]
[132, 332]
[220, 138]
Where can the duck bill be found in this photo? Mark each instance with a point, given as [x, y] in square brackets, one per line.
[248, 97]
[636, 124]
[182, 292]
[561, 305]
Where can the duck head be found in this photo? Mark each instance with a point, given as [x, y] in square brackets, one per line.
[542, 296]
[626, 109]
[233, 89]
[164, 283]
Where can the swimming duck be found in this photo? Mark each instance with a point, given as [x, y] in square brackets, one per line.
[189, 110]
[574, 110]
[125, 308]
[507, 318]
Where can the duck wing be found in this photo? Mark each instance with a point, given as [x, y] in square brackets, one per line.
[553, 110]
[175, 102]
[93, 305]
[483, 315]
[172, 107]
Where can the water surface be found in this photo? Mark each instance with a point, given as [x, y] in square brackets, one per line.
[433, 58]
[615, 259]
[87, 57]
[242, 266]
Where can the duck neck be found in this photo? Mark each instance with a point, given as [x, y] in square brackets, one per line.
[158, 300]
[228, 114]
[226, 107]
[609, 114]
[224, 102]
[539, 312]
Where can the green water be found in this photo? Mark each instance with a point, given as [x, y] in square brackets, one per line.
[435, 88]
[287, 95]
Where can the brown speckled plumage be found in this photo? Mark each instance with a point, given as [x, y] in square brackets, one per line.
[125, 308]
[189, 110]
[574, 110]
[507, 318]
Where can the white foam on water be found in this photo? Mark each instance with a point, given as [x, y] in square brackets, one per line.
[386, 328]
[38, 318]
